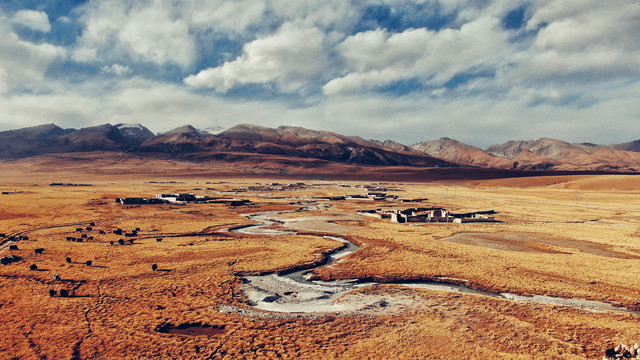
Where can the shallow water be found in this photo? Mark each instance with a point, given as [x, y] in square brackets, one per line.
[295, 293]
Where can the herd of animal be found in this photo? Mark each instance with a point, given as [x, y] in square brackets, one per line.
[13, 258]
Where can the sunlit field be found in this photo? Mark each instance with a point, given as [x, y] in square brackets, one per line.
[176, 289]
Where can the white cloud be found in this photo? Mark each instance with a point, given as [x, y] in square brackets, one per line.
[147, 31]
[34, 20]
[153, 33]
[116, 69]
[335, 14]
[377, 58]
[585, 41]
[222, 15]
[290, 57]
[22, 63]
[478, 120]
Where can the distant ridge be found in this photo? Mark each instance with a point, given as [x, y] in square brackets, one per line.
[284, 141]
[630, 146]
[288, 143]
[51, 139]
[560, 155]
[455, 151]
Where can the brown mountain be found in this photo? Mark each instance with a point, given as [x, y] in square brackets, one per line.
[297, 146]
[29, 141]
[630, 146]
[393, 145]
[285, 141]
[455, 151]
[48, 139]
[560, 155]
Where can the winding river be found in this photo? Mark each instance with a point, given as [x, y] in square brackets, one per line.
[294, 292]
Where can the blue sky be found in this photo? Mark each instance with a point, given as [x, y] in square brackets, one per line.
[480, 71]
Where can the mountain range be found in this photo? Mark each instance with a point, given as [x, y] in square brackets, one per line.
[287, 143]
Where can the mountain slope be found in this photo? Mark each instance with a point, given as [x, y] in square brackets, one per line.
[30, 141]
[48, 139]
[630, 146]
[134, 134]
[561, 155]
[288, 141]
[296, 145]
[455, 151]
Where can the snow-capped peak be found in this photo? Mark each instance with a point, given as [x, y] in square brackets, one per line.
[130, 126]
[214, 130]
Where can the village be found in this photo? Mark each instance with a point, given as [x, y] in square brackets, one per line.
[180, 199]
[413, 214]
[429, 215]
[375, 193]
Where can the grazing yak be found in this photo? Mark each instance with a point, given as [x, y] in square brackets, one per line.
[52, 293]
[68, 260]
[38, 250]
[13, 247]
[56, 277]
[154, 267]
[9, 259]
[64, 293]
[33, 267]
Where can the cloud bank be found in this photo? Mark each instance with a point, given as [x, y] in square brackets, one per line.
[482, 72]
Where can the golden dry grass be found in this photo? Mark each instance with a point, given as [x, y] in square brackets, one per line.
[118, 303]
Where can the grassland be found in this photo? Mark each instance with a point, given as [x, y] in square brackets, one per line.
[588, 248]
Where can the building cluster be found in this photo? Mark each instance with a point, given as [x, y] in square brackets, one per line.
[429, 215]
[271, 187]
[180, 199]
[374, 196]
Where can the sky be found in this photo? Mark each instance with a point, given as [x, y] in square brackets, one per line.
[479, 71]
